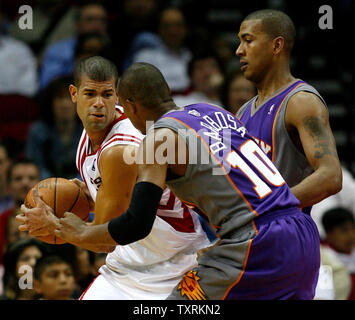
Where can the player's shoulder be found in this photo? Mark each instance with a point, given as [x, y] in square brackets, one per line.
[125, 128]
[305, 101]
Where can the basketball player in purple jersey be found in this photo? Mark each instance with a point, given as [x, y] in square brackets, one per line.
[288, 117]
[268, 248]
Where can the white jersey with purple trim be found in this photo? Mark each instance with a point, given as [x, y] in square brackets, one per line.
[150, 268]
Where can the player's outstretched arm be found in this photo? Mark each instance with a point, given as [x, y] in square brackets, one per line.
[308, 115]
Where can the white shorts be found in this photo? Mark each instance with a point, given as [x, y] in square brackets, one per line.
[101, 289]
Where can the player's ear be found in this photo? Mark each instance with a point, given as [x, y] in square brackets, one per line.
[73, 93]
[279, 44]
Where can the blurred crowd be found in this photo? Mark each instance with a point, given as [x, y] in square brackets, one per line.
[40, 130]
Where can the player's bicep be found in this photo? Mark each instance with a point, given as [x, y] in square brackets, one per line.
[118, 179]
[309, 115]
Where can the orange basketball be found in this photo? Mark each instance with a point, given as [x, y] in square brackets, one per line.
[61, 195]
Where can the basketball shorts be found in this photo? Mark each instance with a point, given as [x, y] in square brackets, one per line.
[275, 256]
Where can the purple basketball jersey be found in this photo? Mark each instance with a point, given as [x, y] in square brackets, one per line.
[246, 169]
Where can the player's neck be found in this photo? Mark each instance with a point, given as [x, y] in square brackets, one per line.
[164, 108]
[273, 81]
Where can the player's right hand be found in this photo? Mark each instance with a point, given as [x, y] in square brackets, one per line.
[86, 191]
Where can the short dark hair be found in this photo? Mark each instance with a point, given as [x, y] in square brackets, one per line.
[336, 217]
[144, 83]
[97, 68]
[276, 23]
[45, 261]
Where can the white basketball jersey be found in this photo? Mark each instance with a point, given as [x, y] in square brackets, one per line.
[149, 268]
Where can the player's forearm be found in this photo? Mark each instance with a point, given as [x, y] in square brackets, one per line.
[96, 238]
[321, 184]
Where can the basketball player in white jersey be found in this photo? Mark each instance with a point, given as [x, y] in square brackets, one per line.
[146, 269]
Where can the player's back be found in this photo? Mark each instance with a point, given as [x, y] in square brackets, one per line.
[228, 175]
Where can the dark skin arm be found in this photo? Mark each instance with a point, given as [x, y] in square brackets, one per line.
[307, 121]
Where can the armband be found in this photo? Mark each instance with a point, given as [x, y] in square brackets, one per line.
[137, 222]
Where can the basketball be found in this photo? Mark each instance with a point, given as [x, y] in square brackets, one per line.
[61, 195]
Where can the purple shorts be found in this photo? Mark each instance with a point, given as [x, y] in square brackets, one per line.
[283, 260]
[275, 256]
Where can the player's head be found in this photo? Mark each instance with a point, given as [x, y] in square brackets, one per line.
[143, 91]
[339, 227]
[266, 36]
[54, 278]
[95, 92]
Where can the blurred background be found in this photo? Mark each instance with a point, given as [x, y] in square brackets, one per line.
[192, 42]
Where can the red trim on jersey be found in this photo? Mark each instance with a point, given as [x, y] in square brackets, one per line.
[121, 117]
[83, 294]
[79, 155]
[125, 137]
[184, 224]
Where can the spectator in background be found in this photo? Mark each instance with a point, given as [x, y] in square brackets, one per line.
[54, 278]
[52, 21]
[59, 58]
[206, 77]
[20, 253]
[92, 44]
[52, 141]
[345, 198]
[97, 260]
[236, 91]
[171, 57]
[18, 67]
[140, 18]
[225, 49]
[23, 175]
[339, 228]
[83, 270]
[5, 198]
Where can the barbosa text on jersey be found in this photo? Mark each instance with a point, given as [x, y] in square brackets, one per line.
[218, 131]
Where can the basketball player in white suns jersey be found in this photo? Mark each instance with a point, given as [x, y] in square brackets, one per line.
[148, 269]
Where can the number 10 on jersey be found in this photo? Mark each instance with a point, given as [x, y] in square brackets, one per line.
[260, 162]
